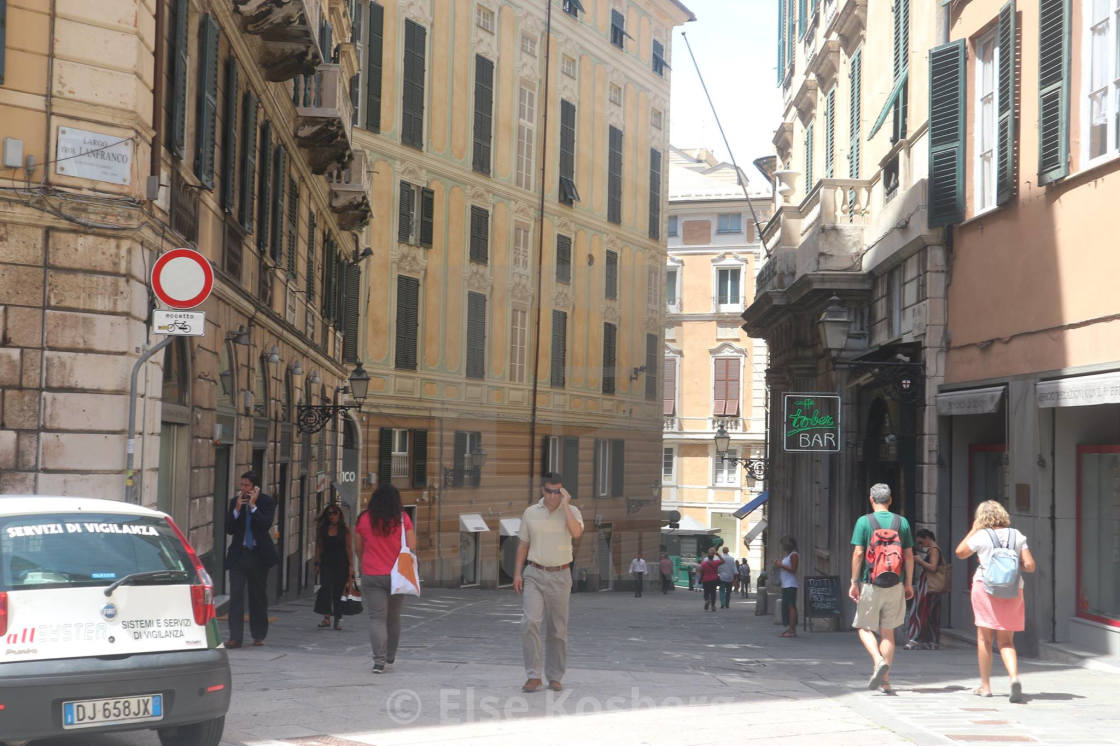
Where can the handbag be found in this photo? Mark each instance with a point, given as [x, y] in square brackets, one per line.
[403, 578]
[941, 579]
[351, 601]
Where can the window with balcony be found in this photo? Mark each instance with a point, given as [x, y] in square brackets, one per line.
[730, 222]
[725, 473]
[726, 389]
[400, 454]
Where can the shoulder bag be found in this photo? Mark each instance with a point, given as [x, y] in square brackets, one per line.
[403, 578]
[941, 579]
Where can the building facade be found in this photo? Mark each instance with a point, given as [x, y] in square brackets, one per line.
[512, 310]
[1030, 407]
[850, 241]
[713, 373]
[131, 128]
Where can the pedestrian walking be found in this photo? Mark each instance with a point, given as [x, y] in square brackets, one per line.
[997, 591]
[250, 555]
[726, 573]
[333, 551]
[691, 567]
[708, 573]
[882, 568]
[638, 569]
[923, 621]
[377, 540]
[787, 566]
[745, 578]
[540, 574]
[666, 568]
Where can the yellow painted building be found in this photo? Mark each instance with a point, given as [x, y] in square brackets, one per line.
[512, 309]
[714, 375]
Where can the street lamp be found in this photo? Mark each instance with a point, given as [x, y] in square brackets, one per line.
[833, 326]
[478, 458]
[755, 467]
[902, 373]
[311, 418]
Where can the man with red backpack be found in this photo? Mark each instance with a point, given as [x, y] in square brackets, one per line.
[882, 568]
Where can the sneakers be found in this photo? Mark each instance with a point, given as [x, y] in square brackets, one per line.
[882, 668]
[1016, 693]
[379, 668]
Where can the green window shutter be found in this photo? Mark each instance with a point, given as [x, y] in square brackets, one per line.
[229, 138]
[419, 458]
[327, 306]
[946, 134]
[385, 456]
[279, 181]
[855, 81]
[248, 160]
[618, 467]
[569, 461]
[373, 67]
[1008, 126]
[311, 232]
[408, 298]
[459, 459]
[614, 177]
[350, 312]
[610, 340]
[781, 40]
[829, 132]
[342, 274]
[180, 32]
[293, 226]
[207, 103]
[483, 112]
[1053, 90]
[801, 18]
[480, 235]
[476, 335]
[901, 48]
[567, 189]
[809, 158]
[654, 193]
[559, 349]
[651, 367]
[563, 259]
[611, 275]
[427, 216]
[412, 104]
[264, 181]
[405, 209]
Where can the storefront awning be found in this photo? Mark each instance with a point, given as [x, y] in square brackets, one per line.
[970, 401]
[509, 526]
[753, 505]
[756, 529]
[1079, 391]
[472, 523]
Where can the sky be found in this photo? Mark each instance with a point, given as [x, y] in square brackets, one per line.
[735, 43]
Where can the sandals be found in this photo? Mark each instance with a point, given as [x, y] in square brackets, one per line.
[787, 633]
[981, 693]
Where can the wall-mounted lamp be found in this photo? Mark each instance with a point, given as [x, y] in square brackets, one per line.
[239, 337]
[274, 355]
[637, 372]
[367, 252]
[315, 379]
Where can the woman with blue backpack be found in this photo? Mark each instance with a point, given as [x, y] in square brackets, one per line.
[997, 591]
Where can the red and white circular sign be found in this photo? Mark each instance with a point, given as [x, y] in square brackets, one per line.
[182, 278]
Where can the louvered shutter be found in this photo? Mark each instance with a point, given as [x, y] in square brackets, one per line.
[782, 21]
[247, 204]
[651, 367]
[1005, 168]
[610, 289]
[801, 15]
[809, 157]
[567, 165]
[293, 226]
[1053, 90]
[311, 233]
[597, 489]
[427, 216]
[829, 132]
[546, 467]
[654, 193]
[614, 176]
[459, 460]
[731, 409]
[483, 112]
[563, 259]
[408, 292]
[618, 468]
[419, 458]
[385, 457]
[355, 98]
[946, 128]
[570, 466]
[610, 332]
[180, 33]
[480, 235]
[264, 188]
[855, 82]
[404, 212]
[207, 120]
[559, 348]
[669, 387]
[229, 138]
[475, 471]
[476, 335]
[412, 123]
[342, 273]
[719, 390]
[373, 67]
[279, 181]
[350, 314]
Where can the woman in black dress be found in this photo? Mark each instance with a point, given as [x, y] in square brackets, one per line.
[332, 562]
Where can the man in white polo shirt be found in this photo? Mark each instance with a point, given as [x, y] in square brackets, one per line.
[545, 554]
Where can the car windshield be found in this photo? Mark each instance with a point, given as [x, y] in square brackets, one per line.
[61, 550]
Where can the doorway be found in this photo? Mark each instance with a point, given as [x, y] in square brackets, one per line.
[215, 558]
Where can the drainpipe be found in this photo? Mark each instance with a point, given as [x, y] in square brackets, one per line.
[129, 477]
[1053, 527]
[946, 14]
[157, 94]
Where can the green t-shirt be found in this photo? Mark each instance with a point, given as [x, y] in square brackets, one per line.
[861, 535]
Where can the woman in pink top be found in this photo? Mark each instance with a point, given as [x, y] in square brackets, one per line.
[377, 540]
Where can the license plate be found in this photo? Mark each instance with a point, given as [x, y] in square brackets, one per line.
[87, 713]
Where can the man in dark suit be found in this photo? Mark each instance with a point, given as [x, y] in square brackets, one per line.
[251, 553]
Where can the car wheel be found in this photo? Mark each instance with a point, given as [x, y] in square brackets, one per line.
[207, 733]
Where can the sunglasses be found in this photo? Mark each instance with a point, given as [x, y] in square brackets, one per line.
[552, 492]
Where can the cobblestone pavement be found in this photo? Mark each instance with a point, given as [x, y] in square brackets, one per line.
[651, 670]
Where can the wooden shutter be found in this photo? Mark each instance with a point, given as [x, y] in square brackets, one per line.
[480, 235]
[412, 123]
[782, 21]
[311, 232]
[721, 391]
[3, 35]
[559, 348]
[546, 467]
[855, 82]
[476, 335]
[483, 112]
[207, 108]
[658, 56]
[246, 204]
[180, 33]
[427, 216]
[293, 226]
[279, 181]
[654, 193]
[1053, 90]
[567, 193]
[618, 468]
[264, 191]
[350, 312]
[669, 387]
[570, 465]
[610, 271]
[563, 259]
[229, 138]
[801, 18]
[1005, 166]
[385, 456]
[596, 488]
[405, 210]
[373, 67]
[475, 471]
[651, 367]
[419, 439]
[618, 28]
[408, 297]
[459, 459]
[614, 177]
[829, 132]
[809, 157]
[946, 128]
[610, 339]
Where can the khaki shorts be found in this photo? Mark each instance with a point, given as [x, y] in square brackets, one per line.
[880, 608]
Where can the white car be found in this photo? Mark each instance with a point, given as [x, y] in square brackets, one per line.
[106, 624]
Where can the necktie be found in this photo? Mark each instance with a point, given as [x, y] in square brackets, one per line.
[250, 542]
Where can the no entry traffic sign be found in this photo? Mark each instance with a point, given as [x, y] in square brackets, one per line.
[182, 278]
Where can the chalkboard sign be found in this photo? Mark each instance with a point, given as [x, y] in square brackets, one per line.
[822, 598]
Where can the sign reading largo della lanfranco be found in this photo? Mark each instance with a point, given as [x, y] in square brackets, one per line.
[811, 422]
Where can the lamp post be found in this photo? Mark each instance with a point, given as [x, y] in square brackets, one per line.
[311, 418]
[902, 374]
